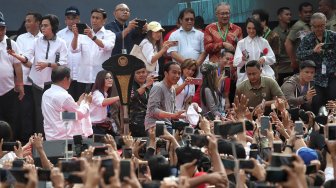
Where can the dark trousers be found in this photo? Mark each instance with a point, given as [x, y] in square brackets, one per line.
[8, 110]
[26, 115]
[324, 94]
[75, 90]
[37, 97]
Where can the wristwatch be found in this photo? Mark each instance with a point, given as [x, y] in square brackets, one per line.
[49, 64]
[94, 38]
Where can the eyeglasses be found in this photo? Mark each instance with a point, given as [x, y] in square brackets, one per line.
[189, 19]
[123, 9]
[223, 13]
[108, 78]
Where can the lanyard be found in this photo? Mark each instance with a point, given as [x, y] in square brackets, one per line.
[267, 33]
[325, 38]
[220, 32]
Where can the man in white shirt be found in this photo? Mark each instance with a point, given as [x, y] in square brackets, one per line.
[190, 40]
[95, 47]
[26, 107]
[9, 83]
[72, 17]
[56, 100]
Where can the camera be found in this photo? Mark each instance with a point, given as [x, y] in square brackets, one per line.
[179, 125]
[79, 146]
[187, 154]
[69, 166]
[9, 146]
[188, 130]
[278, 160]
[276, 174]
[159, 128]
[43, 174]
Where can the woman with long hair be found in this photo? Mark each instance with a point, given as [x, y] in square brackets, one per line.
[210, 99]
[152, 47]
[253, 47]
[101, 99]
[184, 89]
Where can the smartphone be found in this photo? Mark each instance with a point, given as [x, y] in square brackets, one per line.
[331, 132]
[9, 146]
[109, 170]
[311, 84]
[159, 130]
[142, 170]
[229, 164]
[140, 24]
[100, 151]
[68, 116]
[43, 174]
[69, 166]
[245, 164]
[125, 169]
[298, 128]
[217, 124]
[311, 169]
[199, 140]
[188, 130]
[276, 175]
[227, 71]
[9, 43]
[127, 153]
[87, 88]
[264, 123]
[18, 163]
[294, 113]
[235, 128]
[196, 81]
[277, 146]
[20, 175]
[99, 138]
[81, 27]
[74, 179]
[254, 153]
[278, 160]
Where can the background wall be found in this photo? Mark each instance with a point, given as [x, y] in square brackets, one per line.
[164, 11]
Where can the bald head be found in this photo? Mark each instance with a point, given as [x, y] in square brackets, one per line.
[122, 13]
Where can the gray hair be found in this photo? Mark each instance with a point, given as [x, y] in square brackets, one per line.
[318, 16]
[221, 4]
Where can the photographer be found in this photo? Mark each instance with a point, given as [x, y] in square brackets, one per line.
[299, 89]
[319, 46]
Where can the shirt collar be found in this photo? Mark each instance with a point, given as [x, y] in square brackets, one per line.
[39, 34]
[262, 84]
[4, 40]
[54, 37]
[102, 29]
[192, 29]
[249, 39]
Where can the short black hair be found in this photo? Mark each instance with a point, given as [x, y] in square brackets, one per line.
[59, 73]
[304, 4]
[282, 9]
[159, 167]
[5, 131]
[263, 15]
[53, 19]
[257, 26]
[186, 10]
[253, 63]
[166, 67]
[37, 16]
[307, 63]
[100, 10]
[199, 22]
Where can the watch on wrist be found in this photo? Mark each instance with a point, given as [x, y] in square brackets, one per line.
[94, 38]
[49, 64]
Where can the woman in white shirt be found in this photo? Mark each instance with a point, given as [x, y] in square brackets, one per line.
[101, 99]
[184, 89]
[151, 47]
[253, 47]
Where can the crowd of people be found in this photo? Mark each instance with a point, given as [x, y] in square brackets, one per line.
[208, 106]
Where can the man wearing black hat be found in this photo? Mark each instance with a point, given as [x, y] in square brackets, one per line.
[9, 83]
[299, 88]
[72, 17]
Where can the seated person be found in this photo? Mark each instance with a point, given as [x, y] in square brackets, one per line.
[258, 88]
[298, 89]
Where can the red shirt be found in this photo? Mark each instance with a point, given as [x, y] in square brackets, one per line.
[213, 42]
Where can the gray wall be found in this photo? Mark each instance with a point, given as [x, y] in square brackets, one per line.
[15, 10]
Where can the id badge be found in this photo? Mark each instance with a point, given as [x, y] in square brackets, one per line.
[324, 69]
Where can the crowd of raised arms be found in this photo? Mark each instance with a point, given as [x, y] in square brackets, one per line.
[208, 106]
